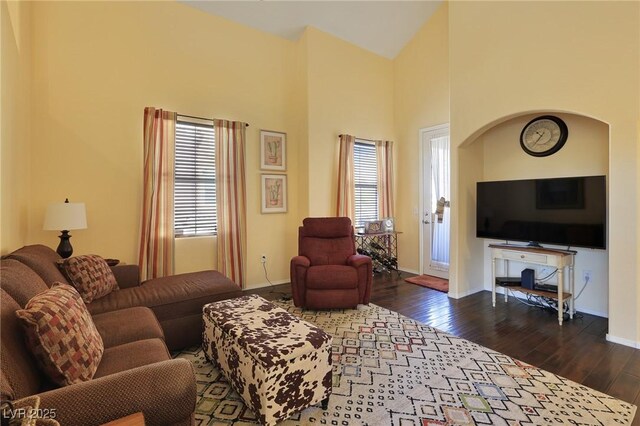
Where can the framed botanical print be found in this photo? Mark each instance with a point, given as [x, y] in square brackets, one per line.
[274, 193]
[273, 150]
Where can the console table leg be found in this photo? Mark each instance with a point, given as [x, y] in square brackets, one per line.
[560, 291]
[572, 286]
[493, 281]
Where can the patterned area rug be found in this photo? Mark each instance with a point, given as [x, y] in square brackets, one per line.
[430, 282]
[392, 370]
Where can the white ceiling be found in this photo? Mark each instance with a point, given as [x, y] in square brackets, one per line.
[382, 27]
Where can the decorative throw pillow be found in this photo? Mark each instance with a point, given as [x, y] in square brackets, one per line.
[62, 335]
[90, 275]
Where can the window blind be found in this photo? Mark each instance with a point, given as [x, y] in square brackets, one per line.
[195, 180]
[366, 182]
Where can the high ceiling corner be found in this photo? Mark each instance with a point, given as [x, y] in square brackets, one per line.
[382, 27]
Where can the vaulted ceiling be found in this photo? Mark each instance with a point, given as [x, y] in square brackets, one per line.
[382, 27]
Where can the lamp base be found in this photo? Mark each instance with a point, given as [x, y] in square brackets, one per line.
[64, 248]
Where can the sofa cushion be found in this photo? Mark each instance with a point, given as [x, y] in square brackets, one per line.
[42, 260]
[127, 325]
[62, 335]
[171, 297]
[332, 277]
[20, 281]
[90, 275]
[131, 355]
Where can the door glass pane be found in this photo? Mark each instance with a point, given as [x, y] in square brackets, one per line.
[440, 195]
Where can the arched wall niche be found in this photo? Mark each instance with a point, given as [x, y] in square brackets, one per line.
[493, 152]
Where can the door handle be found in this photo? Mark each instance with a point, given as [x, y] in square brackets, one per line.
[426, 222]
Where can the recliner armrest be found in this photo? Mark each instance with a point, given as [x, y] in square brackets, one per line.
[300, 261]
[358, 260]
[364, 266]
[165, 392]
[298, 273]
[127, 275]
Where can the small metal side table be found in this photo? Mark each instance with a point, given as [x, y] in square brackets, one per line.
[382, 248]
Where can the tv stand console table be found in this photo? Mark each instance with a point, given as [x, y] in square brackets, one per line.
[560, 259]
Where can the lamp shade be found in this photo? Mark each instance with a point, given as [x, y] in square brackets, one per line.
[65, 216]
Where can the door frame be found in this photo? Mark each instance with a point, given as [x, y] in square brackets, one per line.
[421, 202]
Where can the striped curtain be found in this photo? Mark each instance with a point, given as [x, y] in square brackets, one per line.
[384, 157]
[231, 199]
[155, 257]
[346, 186]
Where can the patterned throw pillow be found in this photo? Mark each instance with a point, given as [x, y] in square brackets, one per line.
[90, 275]
[62, 335]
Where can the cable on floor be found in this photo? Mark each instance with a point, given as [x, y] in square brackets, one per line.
[284, 296]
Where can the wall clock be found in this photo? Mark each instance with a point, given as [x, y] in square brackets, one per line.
[543, 136]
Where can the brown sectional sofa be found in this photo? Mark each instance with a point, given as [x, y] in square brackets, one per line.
[136, 372]
[176, 300]
[137, 323]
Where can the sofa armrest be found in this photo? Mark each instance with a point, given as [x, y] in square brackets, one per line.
[298, 275]
[364, 268]
[165, 392]
[127, 275]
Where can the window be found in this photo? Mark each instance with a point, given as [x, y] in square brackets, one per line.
[366, 182]
[195, 179]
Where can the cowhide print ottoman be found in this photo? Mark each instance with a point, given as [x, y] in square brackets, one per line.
[277, 362]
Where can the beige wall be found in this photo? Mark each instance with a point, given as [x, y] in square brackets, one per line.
[97, 65]
[421, 95]
[350, 90]
[586, 153]
[588, 65]
[15, 142]
[300, 104]
[89, 91]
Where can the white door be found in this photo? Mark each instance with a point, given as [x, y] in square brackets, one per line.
[436, 192]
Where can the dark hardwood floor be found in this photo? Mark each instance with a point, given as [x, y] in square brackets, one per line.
[576, 350]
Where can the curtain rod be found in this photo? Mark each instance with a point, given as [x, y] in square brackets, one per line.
[361, 139]
[201, 118]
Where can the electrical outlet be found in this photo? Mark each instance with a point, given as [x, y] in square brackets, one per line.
[263, 258]
[586, 275]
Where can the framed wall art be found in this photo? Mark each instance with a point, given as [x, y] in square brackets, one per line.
[273, 150]
[373, 227]
[274, 193]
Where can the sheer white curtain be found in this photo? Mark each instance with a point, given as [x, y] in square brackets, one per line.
[440, 191]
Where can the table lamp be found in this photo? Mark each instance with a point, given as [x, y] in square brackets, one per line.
[65, 217]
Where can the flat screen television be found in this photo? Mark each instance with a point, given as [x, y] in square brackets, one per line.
[569, 211]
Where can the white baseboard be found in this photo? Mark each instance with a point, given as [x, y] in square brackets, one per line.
[592, 312]
[622, 341]
[261, 285]
[464, 294]
[410, 271]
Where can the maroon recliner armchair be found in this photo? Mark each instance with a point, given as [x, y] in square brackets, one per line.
[327, 273]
